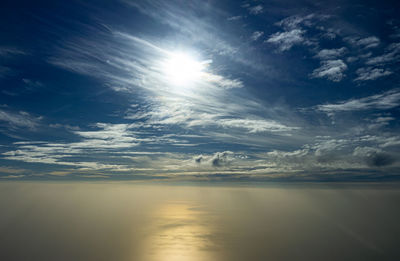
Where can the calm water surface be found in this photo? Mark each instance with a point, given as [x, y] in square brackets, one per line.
[115, 221]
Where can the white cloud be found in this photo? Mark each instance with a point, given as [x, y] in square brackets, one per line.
[19, 119]
[256, 35]
[286, 40]
[392, 54]
[386, 100]
[370, 73]
[367, 42]
[331, 69]
[254, 126]
[110, 136]
[296, 21]
[223, 82]
[234, 18]
[258, 9]
[328, 54]
[107, 138]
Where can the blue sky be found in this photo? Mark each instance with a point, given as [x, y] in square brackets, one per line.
[200, 90]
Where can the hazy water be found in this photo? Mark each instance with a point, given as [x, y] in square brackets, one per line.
[114, 221]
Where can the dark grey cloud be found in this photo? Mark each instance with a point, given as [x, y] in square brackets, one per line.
[221, 158]
[377, 159]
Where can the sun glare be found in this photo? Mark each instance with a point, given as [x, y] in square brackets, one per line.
[182, 69]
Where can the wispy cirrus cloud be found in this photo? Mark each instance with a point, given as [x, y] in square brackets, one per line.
[383, 101]
[10, 51]
[137, 66]
[19, 119]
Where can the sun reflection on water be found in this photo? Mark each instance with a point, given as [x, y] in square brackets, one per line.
[180, 232]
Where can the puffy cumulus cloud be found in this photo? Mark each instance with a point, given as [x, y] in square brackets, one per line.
[286, 40]
[374, 157]
[335, 154]
[218, 159]
[331, 69]
[221, 158]
[370, 73]
[198, 158]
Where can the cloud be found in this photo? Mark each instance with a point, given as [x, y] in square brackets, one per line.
[380, 122]
[218, 159]
[367, 42]
[223, 82]
[20, 119]
[329, 54]
[9, 51]
[234, 18]
[296, 21]
[370, 73]
[107, 138]
[110, 136]
[221, 158]
[254, 126]
[374, 157]
[286, 40]
[331, 69]
[5, 53]
[392, 54]
[254, 10]
[198, 159]
[295, 28]
[256, 35]
[32, 83]
[11, 170]
[380, 160]
[384, 101]
[326, 154]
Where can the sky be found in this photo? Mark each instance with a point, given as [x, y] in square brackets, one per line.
[200, 90]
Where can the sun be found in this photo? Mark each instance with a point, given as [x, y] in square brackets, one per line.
[183, 69]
